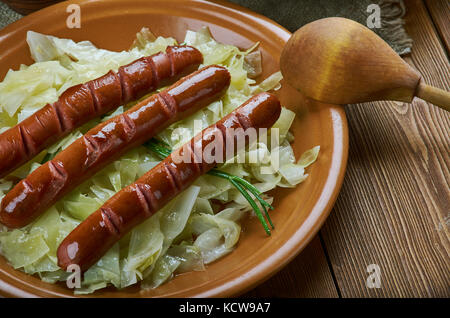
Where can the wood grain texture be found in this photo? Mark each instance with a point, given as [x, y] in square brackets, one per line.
[440, 14]
[308, 275]
[394, 207]
[329, 60]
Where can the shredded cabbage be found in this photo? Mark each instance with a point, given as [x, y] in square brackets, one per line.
[190, 231]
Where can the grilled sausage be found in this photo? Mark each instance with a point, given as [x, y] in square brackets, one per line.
[107, 141]
[90, 240]
[81, 103]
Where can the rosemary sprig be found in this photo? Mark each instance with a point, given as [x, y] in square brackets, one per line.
[242, 185]
[248, 186]
[253, 205]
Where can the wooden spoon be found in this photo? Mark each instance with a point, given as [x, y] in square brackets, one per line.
[339, 61]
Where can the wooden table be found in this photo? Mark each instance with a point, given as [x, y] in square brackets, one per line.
[394, 206]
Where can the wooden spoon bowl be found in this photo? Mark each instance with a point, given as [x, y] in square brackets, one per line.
[339, 61]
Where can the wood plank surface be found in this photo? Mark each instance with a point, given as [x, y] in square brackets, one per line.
[394, 207]
[440, 14]
[308, 275]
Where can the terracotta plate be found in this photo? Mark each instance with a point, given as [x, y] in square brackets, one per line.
[299, 212]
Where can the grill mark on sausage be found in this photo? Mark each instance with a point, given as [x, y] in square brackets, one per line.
[91, 143]
[223, 129]
[222, 140]
[93, 150]
[57, 170]
[128, 125]
[195, 158]
[73, 109]
[94, 97]
[168, 103]
[59, 117]
[122, 86]
[171, 60]
[117, 78]
[110, 220]
[146, 199]
[24, 141]
[243, 121]
[172, 178]
[226, 138]
[195, 162]
[40, 122]
[27, 185]
[204, 165]
[156, 80]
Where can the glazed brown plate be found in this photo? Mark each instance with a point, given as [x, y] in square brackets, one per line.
[299, 212]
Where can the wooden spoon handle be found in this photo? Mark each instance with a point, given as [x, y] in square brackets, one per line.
[434, 95]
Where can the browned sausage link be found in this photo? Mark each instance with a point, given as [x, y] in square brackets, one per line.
[81, 103]
[107, 141]
[89, 241]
